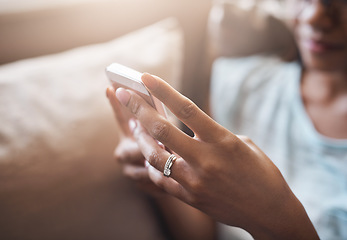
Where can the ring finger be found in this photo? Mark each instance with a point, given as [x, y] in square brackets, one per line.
[156, 155]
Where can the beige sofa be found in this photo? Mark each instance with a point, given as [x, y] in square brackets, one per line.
[57, 132]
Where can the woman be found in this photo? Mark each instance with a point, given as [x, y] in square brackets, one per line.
[296, 113]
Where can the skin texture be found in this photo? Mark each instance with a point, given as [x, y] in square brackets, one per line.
[321, 34]
[182, 220]
[224, 175]
[212, 157]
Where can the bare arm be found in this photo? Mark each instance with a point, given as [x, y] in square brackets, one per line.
[224, 175]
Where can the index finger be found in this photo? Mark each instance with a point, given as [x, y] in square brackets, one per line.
[198, 121]
[158, 126]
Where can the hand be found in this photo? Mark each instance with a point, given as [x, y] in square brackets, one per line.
[226, 176]
[183, 221]
[127, 152]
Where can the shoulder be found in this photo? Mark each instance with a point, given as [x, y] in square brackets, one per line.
[252, 72]
[241, 85]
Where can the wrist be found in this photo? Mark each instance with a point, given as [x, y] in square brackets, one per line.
[288, 221]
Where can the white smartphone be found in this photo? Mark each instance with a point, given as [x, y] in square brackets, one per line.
[122, 76]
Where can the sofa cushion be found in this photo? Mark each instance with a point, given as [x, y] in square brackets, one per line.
[57, 135]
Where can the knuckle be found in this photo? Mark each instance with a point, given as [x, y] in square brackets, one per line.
[161, 131]
[135, 106]
[160, 182]
[118, 155]
[244, 138]
[191, 200]
[136, 176]
[247, 141]
[198, 201]
[132, 173]
[188, 110]
[196, 187]
[194, 200]
[229, 142]
[126, 172]
[153, 158]
[208, 168]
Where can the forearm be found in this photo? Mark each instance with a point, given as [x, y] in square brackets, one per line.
[184, 221]
[289, 222]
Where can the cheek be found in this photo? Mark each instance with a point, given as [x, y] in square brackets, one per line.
[302, 31]
[293, 24]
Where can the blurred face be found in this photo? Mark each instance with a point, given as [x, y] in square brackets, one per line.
[320, 29]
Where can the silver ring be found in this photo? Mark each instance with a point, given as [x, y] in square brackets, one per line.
[169, 162]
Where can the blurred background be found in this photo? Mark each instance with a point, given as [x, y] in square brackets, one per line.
[57, 130]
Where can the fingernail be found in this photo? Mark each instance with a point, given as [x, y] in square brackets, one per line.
[132, 124]
[147, 164]
[150, 81]
[123, 96]
[108, 91]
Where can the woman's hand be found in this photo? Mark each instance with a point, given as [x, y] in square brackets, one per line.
[183, 221]
[224, 175]
[127, 152]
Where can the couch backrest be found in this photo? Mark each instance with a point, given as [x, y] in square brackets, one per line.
[41, 31]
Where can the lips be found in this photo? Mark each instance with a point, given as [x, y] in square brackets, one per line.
[319, 46]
